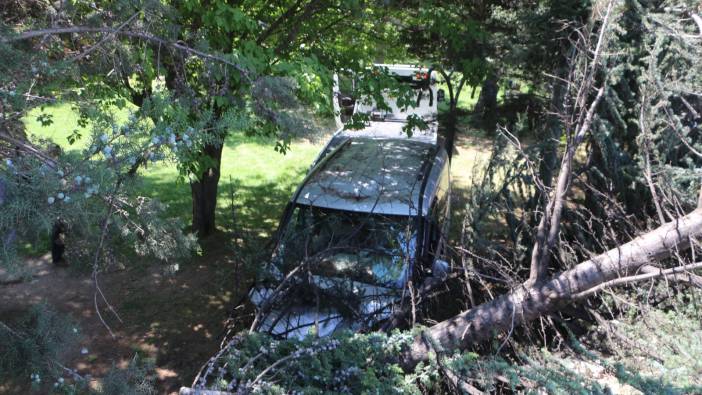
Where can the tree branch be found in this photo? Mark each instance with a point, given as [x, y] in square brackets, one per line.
[289, 13]
[687, 277]
[549, 225]
[630, 279]
[127, 33]
[105, 39]
[531, 302]
[698, 21]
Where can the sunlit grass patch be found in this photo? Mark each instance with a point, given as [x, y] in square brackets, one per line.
[261, 179]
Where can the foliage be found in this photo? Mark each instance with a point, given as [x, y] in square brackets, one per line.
[191, 73]
[679, 364]
[540, 369]
[669, 358]
[35, 350]
[643, 143]
[136, 379]
[648, 130]
[347, 363]
[89, 187]
[366, 363]
[37, 344]
[449, 37]
[197, 73]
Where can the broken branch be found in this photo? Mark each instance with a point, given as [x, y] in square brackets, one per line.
[531, 302]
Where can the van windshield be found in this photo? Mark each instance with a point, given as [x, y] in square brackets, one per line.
[423, 95]
[425, 105]
[365, 247]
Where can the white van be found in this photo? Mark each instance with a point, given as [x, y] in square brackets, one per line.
[371, 216]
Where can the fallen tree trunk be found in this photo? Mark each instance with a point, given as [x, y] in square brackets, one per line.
[525, 304]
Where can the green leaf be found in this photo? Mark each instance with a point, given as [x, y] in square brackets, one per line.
[45, 119]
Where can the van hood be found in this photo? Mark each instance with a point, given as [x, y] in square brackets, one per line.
[360, 307]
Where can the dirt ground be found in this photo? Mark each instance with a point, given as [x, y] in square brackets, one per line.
[176, 319]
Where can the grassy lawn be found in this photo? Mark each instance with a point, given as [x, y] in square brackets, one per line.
[256, 181]
[465, 101]
[468, 99]
[260, 179]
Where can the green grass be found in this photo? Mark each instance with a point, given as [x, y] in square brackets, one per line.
[65, 121]
[261, 179]
[465, 101]
[468, 99]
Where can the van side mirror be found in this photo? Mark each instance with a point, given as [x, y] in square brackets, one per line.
[346, 101]
[440, 95]
[440, 268]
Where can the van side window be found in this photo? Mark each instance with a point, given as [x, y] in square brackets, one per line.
[437, 217]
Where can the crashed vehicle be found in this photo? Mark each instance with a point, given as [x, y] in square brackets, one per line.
[369, 221]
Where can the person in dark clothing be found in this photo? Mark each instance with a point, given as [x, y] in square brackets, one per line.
[58, 246]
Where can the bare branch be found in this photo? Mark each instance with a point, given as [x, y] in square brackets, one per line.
[533, 301]
[549, 225]
[630, 279]
[105, 39]
[687, 277]
[647, 160]
[698, 21]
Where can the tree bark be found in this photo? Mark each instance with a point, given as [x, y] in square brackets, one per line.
[204, 193]
[554, 130]
[525, 304]
[549, 225]
[583, 115]
[450, 127]
[487, 104]
[452, 116]
[449, 123]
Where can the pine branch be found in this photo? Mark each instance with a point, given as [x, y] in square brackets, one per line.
[131, 34]
[698, 21]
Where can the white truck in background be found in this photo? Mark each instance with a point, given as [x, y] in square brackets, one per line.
[389, 123]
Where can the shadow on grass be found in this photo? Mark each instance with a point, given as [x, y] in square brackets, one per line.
[177, 320]
[252, 206]
[255, 184]
[185, 321]
[258, 208]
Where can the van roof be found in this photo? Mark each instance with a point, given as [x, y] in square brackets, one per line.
[392, 130]
[404, 70]
[385, 176]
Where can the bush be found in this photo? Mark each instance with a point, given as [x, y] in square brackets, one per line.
[135, 379]
[36, 347]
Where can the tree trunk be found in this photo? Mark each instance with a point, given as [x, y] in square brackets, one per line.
[450, 131]
[525, 304]
[554, 130]
[487, 104]
[452, 116]
[549, 225]
[204, 193]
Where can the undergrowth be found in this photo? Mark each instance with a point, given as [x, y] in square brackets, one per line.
[34, 353]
